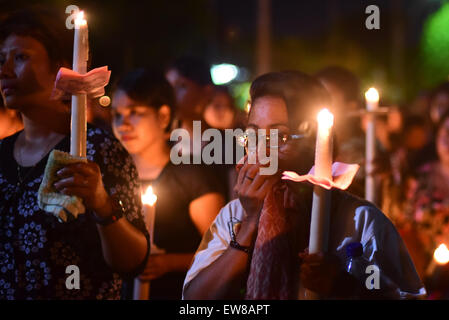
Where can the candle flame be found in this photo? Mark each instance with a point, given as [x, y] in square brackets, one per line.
[80, 20]
[441, 254]
[149, 198]
[325, 118]
[372, 95]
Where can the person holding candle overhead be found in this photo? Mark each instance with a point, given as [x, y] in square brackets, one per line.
[108, 242]
[188, 196]
[257, 246]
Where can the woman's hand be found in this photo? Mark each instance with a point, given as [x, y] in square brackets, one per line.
[319, 272]
[252, 187]
[84, 180]
[157, 266]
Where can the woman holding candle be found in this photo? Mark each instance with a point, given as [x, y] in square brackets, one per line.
[188, 196]
[276, 215]
[106, 243]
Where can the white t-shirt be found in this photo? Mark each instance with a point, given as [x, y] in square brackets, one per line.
[354, 220]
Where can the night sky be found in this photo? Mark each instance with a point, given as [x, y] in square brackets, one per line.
[306, 35]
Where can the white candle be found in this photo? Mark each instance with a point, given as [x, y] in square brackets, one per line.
[372, 104]
[142, 288]
[319, 224]
[79, 101]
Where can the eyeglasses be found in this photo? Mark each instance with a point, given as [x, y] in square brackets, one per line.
[251, 139]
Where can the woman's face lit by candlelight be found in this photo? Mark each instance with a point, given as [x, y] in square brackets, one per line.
[138, 126]
[270, 112]
[26, 75]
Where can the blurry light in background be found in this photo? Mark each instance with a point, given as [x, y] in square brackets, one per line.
[441, 254]
[104, 101]
[248, 107]
[223, 73]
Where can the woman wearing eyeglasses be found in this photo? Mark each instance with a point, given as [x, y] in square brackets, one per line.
[276, 214]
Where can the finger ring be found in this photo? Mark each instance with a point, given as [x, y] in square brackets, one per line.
[249, 178]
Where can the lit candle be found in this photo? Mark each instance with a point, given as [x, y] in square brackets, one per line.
[142, 288]
[440, 257]
[319, 225]
[79, 101]
[372, 105]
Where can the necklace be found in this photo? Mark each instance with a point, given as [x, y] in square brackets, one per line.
[20, 178]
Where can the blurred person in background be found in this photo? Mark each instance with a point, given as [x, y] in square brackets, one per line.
[412, 148]
[426, 221]
[194, 90]
[221, 113]
[438, 102]
[344, 89]
[188, 196]
[192, 83]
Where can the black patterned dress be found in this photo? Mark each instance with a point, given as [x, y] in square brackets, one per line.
[36, 249]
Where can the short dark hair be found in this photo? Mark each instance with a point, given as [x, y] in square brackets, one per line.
[303, 94]
[149, 87]
[344, 80]
[46, 25]
[193, 68]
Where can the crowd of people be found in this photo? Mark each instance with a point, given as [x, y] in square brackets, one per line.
[222, 231]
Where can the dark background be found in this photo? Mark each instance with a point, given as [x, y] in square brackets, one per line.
[306, 35]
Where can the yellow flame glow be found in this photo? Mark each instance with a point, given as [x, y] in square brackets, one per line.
[248, 107]
[80, 20]
[149, 198]
[372, 95]
[325, 118]
[441, 254]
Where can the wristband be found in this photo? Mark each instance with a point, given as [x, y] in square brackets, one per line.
[118, 212]
[234, 244]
